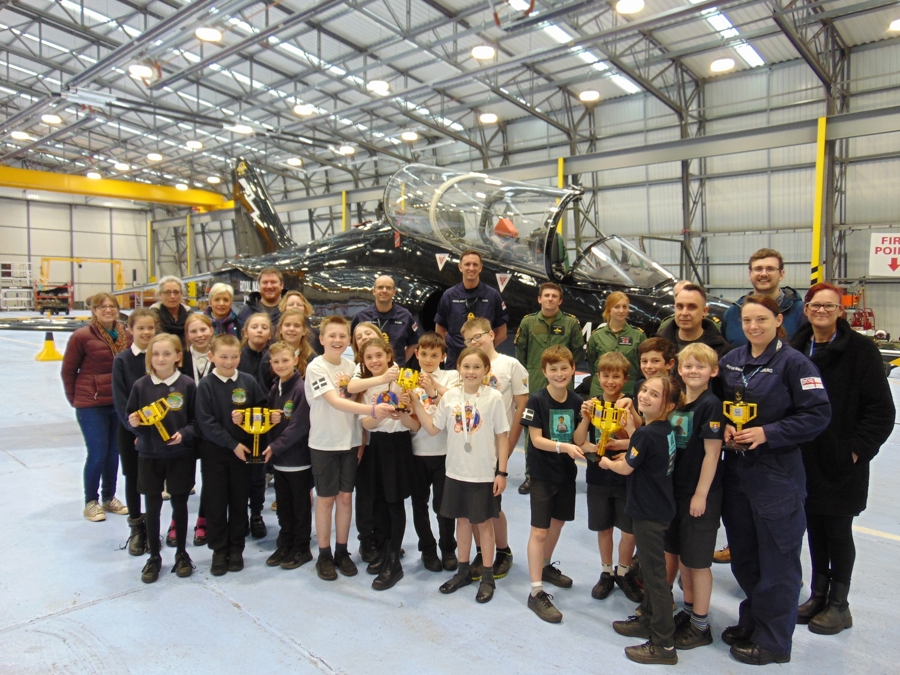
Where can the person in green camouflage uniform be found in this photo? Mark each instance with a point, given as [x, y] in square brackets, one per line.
[616, 335]
[546, 328]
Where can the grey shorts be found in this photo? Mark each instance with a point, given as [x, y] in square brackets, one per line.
[606, 508]
[333, 471]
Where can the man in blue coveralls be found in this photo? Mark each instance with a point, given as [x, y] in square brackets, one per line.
[394, 322]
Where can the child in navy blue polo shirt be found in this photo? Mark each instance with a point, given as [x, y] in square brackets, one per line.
[650, 502]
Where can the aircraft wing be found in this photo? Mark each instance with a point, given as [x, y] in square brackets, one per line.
[151, 288]
[44, 324]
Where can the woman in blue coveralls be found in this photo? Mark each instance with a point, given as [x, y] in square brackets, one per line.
[765, 483]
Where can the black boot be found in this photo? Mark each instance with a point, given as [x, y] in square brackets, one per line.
[836, 616]
[377, 566]
[390, 574]
[817, 599]
[137, 540]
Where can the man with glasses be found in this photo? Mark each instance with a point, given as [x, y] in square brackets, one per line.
[171, 308]
[394, 322]
[766, 274]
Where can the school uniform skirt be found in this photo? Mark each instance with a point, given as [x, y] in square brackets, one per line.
[392, 457]
[473, 501]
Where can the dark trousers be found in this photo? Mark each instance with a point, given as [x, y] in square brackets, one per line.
[364, 511]
[656, 607]
[428, 476]
[257, 488]
[100, 428]
[528, 451]
[762, 509]
[129, 457]
[294, 510]
[831, 545]
[226, 488]
[179, 515]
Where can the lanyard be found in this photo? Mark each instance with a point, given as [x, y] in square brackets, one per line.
[812, 344]
[465, 424]
[746, 378]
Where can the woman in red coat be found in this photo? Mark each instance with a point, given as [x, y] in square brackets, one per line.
[87, 376]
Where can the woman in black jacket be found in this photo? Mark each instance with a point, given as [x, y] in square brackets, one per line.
[837, 462]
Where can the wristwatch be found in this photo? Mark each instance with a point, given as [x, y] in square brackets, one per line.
[501, 473]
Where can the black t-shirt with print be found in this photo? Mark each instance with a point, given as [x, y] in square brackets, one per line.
[692, 424]
[652, 456]
[557, 422]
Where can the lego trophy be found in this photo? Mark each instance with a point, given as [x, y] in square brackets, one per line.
[407, 380]
[608, 419]
[153, 414]
[740, 413]
[257, 421]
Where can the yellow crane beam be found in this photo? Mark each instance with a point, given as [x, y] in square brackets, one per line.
[28, 179]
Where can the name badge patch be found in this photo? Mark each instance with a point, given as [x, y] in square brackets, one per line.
[811, 383]
[625, 341]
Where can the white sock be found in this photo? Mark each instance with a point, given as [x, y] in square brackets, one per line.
[607, 568]
[536, 587]
[622, 570]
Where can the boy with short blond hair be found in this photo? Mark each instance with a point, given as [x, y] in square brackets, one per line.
[556, 429]
[510, 378]
[690, 541]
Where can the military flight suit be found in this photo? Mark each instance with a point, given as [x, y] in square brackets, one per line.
[625, 342]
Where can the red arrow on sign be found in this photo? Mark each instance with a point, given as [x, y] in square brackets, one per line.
[893, 264]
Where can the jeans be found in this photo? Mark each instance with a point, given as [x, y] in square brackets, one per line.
[100, 428]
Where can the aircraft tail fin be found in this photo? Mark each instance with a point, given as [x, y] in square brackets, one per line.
[257, 227]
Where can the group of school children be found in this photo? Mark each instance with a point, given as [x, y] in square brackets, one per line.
[450, 436]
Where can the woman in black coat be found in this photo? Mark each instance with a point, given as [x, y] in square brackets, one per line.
[837, 462]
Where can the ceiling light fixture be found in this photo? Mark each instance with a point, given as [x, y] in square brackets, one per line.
[379, 87]
[589, 96]
[194, 145]
[208, 34]
[238, 128]
[346, 150]
[140, 71]
[213, 180]
[181, 186]
[154, 157]
[483, 52]
[487, 118]
[409, 136]
[304, 109]
[629, 6]
[121, 166]
[895, 25]
[50, 118]
[93, 175]
[295, 161]
[721, 65]
[20, 136]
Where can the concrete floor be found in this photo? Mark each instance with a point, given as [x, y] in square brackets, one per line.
[72, 600]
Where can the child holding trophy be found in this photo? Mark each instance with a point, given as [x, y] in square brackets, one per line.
[161, 412]
[697, 480]
[390, 450]
[224, 447]
[510, 378]
[650, 502]
[606, 489]
[477, 453]
[550, 416]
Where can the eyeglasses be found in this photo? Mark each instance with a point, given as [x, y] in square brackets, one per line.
[170, 292]
[108, 308]
[767, 270]
[474, 338]
[819, 306]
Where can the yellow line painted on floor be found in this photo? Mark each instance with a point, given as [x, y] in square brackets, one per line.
[21, 342]
[876, 533]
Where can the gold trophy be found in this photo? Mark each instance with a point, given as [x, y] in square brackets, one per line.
[608, 419]
[407, 380]
[257, 421]
[153, 414]
[740, 413]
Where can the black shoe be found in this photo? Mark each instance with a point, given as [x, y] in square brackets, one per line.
[754, 655]
[278, 556]
[735, 635]
[631, 627]
[603, 587]
[502, 562]
[296, 558]
[258, 528]
[455, 583]
[431, 561]
[485, 591]
[525, 487]
[368, 550]
[219, 564]
[325, 568]
[346, 566]
[200, 532]
[235, 561]
[650, 653]
[836, 616]
[689, 636]
[449, 561]
[137, 539]
[150, 573]
[817, 600]
[681, 618]
[184, 566]
[476, 569]
[628, 584]
[376, 567]
[391, 574]
[541, 605]
[552, 575]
